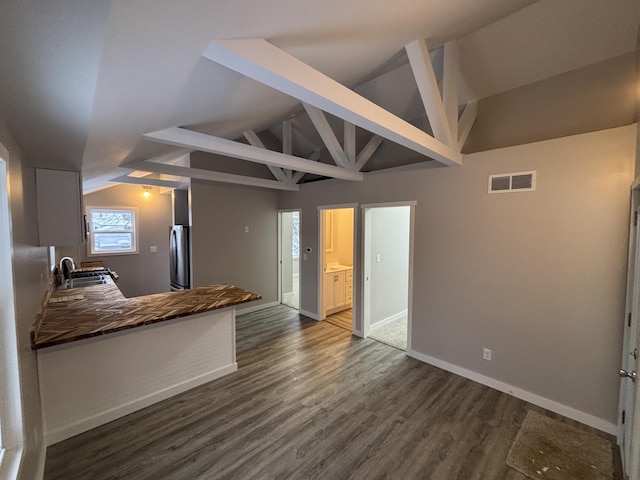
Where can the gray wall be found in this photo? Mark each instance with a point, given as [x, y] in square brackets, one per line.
[537, 277]
[588, 99]
[389, 277]
[144, 273]
[222, 251]
[31, 277]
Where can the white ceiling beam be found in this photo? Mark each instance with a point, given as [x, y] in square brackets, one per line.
[287, 144]
[367, 151]
[349, 140]
[201, 174]
[450, 79]
[267, 64]
[329, 138]
[422, 68]
[466, 122]
[287, 138]
[154, 182]
[315, 156]
[253, 139]
[208, 143]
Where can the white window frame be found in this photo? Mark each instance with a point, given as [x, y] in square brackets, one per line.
[133, 250]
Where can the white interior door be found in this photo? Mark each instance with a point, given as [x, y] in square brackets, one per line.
[629, 418]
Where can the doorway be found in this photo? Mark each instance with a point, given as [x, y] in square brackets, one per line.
[11, 433]
[388, 260]
[289, 258]
[337, 251]
[629, 417]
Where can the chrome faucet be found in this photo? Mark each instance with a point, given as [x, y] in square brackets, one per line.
[64, 267]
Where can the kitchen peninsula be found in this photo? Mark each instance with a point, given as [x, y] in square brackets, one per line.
[102, 356]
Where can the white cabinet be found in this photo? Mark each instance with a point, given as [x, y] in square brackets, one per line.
[337, 290]
[59, 198]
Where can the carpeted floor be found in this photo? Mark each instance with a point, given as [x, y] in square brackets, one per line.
[548, 448]
[392, 333]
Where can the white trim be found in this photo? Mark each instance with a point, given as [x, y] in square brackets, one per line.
[271, 66]
[255, 308]
[365, 293]
[11, 416]
[390, 319]
[101, 418]
[409, 203]
[135, 250]
[525, 395]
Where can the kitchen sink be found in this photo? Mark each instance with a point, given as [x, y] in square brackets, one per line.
[83, 282]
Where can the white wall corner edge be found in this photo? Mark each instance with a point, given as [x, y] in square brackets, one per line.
[546, 403]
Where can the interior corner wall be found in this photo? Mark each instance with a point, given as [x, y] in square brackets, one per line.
[538, 277]
[222, 252]
[31, 278]
[146, 272]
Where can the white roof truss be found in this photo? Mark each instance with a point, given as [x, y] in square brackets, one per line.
[442, 110]
[182, 137]
[267, 64]
[151, 165]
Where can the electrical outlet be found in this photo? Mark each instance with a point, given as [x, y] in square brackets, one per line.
[486, 354]
[246, 229]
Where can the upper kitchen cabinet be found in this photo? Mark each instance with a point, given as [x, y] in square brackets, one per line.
[59, 197]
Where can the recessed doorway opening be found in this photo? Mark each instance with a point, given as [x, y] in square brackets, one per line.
[289, 258]
[388, 260]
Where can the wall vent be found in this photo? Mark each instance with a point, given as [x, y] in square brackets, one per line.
[512, 182]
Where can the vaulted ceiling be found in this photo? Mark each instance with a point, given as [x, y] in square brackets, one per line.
[275, 92]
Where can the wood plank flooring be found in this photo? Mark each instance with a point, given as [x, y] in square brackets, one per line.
[343, 319]
[309, 401]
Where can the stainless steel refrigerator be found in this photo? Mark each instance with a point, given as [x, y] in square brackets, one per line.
[179, 258]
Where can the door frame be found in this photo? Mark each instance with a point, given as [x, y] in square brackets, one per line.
[631, 462]
[11, 414]
[356, 261]
[366, 240]
[279, 243]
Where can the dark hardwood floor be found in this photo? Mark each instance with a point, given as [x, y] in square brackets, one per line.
[309, 401]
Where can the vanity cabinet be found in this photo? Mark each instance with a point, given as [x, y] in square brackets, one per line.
[59, 201]
[338, 290]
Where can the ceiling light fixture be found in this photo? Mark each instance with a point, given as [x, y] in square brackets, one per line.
[147, 190]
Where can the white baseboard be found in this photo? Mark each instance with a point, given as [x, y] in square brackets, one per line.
[107, 416]
[390, 319]
[254, 308]
[525, 395]
[314, 316]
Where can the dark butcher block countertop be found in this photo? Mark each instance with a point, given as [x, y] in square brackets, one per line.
[79, 313]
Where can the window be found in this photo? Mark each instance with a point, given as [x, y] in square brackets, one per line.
[112, 231]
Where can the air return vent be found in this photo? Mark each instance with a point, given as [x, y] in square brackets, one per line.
[512, 182]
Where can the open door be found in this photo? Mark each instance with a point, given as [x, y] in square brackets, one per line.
[629, 418]
[388, 260]
[289, 258]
